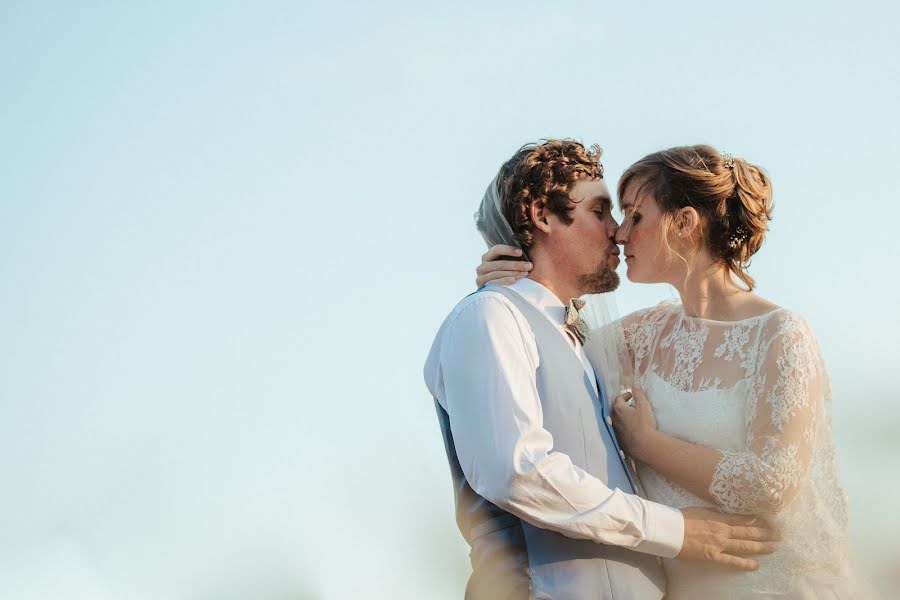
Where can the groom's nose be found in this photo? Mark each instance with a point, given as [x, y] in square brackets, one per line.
[612, 226]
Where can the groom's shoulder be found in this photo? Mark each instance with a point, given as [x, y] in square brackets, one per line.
[478, 321]
[484, 301]
[484, 304]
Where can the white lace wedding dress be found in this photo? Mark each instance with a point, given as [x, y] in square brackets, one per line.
[757, 390]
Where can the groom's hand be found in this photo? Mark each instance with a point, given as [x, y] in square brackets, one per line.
[726, 539]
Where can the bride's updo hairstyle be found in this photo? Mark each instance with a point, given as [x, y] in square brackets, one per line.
[732, 196]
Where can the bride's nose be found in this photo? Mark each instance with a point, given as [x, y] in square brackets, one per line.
[621, 234]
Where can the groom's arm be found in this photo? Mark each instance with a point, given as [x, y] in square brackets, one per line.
[488, 366]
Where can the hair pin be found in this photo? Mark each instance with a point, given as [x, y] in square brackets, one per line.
[740, 234]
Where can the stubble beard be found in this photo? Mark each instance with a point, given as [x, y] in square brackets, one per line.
[603, 279]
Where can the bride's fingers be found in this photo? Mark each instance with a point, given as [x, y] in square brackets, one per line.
[504, 274]
[499, 250]
[744, 547]
[499, 278]
[621, 401]
[503, 265]
[736, 562]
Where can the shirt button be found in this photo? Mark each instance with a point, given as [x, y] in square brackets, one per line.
[622, 454]
[609, 420]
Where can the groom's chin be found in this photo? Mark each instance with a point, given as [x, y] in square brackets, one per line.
[601, 281]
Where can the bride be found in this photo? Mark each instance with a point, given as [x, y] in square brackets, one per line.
[731, 399]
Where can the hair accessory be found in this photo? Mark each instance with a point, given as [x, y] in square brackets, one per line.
[727, 160]
[740, 234]
[595, 151]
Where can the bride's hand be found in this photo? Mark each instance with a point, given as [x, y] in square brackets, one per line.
[503, 272]
[634, 422]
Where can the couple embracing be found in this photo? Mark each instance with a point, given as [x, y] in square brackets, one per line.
[714, 476]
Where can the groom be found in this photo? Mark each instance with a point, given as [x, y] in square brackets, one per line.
[543, 496]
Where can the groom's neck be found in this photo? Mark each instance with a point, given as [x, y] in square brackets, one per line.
[562, 286]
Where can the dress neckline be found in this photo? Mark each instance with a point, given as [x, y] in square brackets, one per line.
[735, 322]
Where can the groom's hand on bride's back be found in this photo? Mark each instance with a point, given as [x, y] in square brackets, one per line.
[502, 265]
[726, 539]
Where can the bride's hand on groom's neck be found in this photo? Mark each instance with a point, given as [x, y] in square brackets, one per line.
[502, 265]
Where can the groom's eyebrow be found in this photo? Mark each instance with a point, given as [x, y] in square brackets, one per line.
[604, 200]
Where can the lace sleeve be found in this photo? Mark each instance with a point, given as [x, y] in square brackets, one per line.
[783, 411]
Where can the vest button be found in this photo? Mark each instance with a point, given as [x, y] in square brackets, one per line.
[622, 454]
[609, 420]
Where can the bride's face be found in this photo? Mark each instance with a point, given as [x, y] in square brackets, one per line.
[641, 236]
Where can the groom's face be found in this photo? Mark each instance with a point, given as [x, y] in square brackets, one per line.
[587, 246]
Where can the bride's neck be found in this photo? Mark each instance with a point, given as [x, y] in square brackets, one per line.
[709, 292]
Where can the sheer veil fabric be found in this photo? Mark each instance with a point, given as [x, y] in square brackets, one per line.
[494, 227]
[609, 351]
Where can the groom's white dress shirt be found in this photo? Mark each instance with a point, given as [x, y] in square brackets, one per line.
[482, 371]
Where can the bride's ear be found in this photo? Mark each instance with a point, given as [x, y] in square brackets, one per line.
[687, 222]
[539, 214]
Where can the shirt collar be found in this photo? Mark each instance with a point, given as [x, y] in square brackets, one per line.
[541, 298]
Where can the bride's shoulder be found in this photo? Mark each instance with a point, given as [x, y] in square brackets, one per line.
[663, 308]
[782, 322]
[651, 317]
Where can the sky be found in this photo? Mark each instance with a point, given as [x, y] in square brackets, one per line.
[230, 230]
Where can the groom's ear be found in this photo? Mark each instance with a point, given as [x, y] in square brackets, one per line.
[539, 214]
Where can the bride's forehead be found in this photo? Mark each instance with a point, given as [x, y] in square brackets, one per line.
[637, 197]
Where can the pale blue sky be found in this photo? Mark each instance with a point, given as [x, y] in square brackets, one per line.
[230, 231]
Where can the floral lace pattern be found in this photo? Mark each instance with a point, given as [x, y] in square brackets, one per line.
[687, 348]
[764, 377]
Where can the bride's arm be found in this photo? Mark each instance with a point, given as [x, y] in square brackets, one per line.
[689, 465]
[784, 410]
[501, 265]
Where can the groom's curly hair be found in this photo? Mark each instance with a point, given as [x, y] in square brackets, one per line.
[544, 173]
